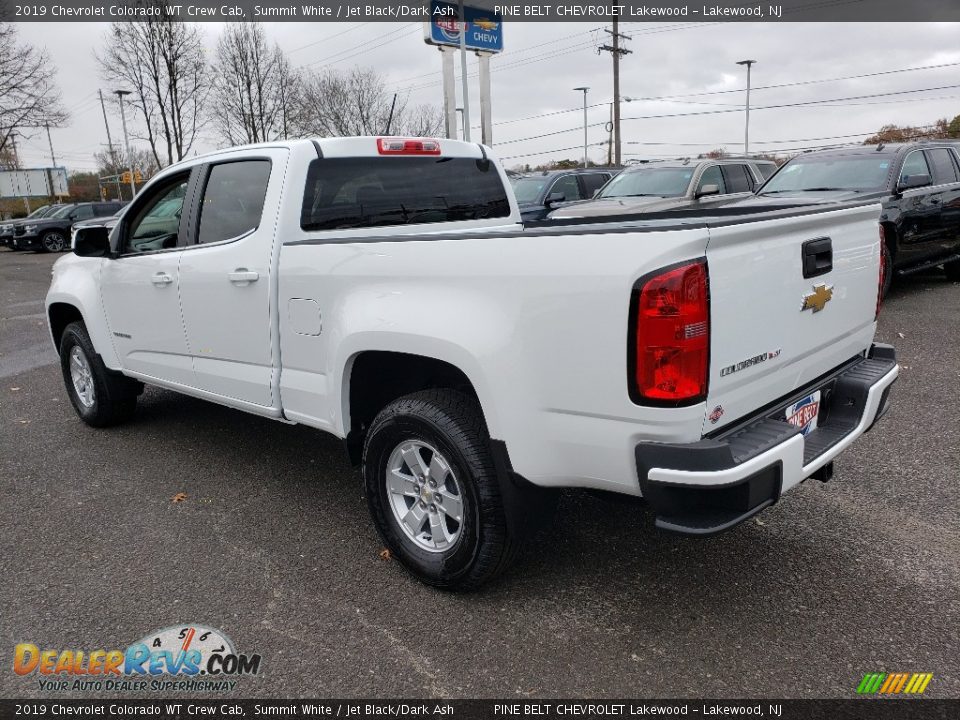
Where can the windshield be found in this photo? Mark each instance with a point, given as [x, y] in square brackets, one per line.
[528, 189]
[660, 182]
[41, 211]
[857, 173]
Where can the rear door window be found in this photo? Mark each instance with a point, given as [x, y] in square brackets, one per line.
[941, 162]
[360, 192]
[593, 182]
[737, 178]
[233, 200]
[83, 212]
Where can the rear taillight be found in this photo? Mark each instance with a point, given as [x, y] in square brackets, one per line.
[669, 337]
[404, 146]
[883, 272]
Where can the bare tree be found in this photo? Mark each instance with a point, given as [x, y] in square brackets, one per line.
[116, 163]
[161, 61]
[29, 96]
[357, 102]
[252, 84]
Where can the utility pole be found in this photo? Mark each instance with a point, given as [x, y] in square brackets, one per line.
[616, 51]
[746, 127]
[53, 158]
[16, 165]
[584, 91]
[126, 139]
[103, 107]
[106, 124]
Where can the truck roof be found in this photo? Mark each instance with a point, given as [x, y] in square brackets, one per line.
[363, 146]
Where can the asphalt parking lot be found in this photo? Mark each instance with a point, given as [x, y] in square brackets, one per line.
[273, 545]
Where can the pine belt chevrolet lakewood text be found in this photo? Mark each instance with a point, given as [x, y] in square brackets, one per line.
[385, 290]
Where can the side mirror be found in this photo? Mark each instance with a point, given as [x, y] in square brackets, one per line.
[908, 182]
[94, 242]
[554, 198]
[711, 189]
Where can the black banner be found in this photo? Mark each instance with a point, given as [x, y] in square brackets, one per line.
[854, 709]
[507, 10]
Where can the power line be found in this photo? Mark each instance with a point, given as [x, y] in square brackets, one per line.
[372, 44]
[700, 113]
[723, 92]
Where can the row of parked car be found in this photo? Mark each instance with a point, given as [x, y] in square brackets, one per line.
[49, 228]
[917, 185]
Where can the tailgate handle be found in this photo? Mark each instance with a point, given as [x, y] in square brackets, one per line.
[817, 257]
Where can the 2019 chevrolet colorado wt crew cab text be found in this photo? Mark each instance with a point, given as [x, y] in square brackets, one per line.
[384, 290]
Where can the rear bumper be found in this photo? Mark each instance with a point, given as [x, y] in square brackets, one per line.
[712, 485]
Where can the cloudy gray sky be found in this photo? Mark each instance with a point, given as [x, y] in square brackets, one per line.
[533, 79]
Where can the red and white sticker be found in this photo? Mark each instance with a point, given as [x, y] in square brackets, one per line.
[804, 413]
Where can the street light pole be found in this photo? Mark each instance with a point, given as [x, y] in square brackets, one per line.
[746, 128]
[584, 91]
[126, 139]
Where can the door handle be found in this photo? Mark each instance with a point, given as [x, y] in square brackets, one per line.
[817, 257]
[242, 276]
[161, 279]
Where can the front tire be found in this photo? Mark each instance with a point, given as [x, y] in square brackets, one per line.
[433, 491]
[100, 397]
[53, 241]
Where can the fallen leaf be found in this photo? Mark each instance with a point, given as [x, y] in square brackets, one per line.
[14, 389]
[761, 523]
[385, 554]
[179, 497]
[901, 335]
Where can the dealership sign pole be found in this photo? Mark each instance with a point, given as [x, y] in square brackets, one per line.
[465, 27]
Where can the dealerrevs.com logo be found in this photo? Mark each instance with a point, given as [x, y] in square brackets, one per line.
[187, 657]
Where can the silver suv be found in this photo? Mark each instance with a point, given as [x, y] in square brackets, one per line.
[650, 187]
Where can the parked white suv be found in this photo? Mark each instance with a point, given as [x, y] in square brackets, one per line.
[383, 290]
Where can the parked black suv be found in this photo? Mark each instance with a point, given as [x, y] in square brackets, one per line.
[538, 193]
[6, 227]
[52, 233]
[917, 184]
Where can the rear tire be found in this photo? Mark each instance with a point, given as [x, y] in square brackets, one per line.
[952, 270]
[53, 241]
[100, 396]
[426, 463]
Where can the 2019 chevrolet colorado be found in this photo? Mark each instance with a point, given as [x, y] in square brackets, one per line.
[384, 290]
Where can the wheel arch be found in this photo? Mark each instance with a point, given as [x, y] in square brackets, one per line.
[891, 237]
[374, 378]
[59, 315]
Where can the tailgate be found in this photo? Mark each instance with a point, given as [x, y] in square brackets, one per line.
[774, 330]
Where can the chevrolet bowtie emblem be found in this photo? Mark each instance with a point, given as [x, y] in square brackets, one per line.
[818, 299]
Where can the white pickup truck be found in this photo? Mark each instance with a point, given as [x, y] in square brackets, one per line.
[385, 291]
